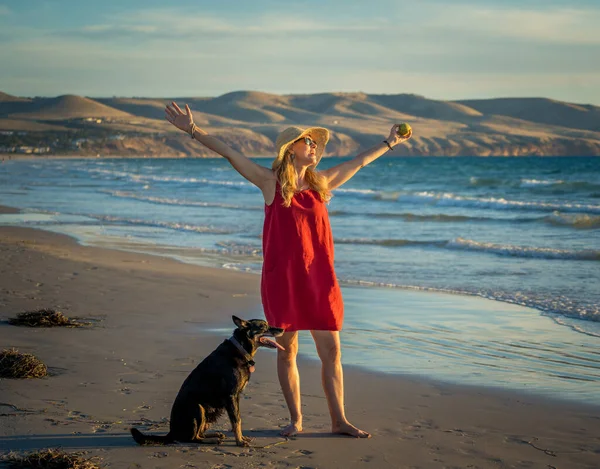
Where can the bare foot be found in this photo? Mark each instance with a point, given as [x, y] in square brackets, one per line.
[291, 430]
[351, 430]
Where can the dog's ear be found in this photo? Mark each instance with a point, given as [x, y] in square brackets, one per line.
[239, 322]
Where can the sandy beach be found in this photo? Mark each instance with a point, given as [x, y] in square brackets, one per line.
[125, 369]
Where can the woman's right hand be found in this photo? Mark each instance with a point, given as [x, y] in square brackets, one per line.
[182, 120]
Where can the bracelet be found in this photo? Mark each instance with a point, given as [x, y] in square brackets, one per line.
[388, 144]
[192, 130]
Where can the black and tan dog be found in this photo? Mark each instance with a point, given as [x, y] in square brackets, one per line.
[215, 386]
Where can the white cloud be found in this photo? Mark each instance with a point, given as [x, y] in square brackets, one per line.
[431, 26]
[437, 49]
[551, 25]
[168, 23]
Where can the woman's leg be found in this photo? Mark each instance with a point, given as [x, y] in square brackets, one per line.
[329, 350]
[289, 380]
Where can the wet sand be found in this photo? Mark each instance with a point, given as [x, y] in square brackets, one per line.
[125, 369]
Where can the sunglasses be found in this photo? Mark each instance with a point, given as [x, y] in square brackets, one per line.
[309, 141]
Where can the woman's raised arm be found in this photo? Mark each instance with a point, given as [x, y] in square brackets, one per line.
[253, 172]
[341, 173]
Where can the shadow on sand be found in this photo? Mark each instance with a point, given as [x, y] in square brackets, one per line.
[69, 441]
[65, 441]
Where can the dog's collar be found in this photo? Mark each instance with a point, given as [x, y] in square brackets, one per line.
[243, 351]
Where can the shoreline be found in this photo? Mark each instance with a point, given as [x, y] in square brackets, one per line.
[557, 397]
[106, 256]
[124, 372]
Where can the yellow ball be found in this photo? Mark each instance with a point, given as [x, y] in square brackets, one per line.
[404, 130]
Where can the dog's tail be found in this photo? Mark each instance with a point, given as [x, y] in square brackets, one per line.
[142, 439]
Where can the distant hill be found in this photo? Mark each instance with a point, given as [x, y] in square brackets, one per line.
[428, 108]
[59, 108]
[540, 110]
[251, 120]
[7, 98]
[148, 108]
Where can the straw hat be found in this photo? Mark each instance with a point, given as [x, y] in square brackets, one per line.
[286, 138]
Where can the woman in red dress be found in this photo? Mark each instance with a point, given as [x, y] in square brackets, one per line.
[299, 288]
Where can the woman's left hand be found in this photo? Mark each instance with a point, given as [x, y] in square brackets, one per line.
[395, 139]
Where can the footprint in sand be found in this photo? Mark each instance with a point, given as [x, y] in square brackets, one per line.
[56, 403]
[102, 428]
[304, 452]
[160, 454]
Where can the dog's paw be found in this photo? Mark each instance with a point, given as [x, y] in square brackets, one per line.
[244, 441]
[220, 436]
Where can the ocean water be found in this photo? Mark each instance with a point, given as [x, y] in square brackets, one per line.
[504, 251]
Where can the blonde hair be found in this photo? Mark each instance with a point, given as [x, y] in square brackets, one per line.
[288, 177]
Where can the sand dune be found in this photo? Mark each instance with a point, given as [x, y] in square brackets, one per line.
[541, 110]
[60, 108]
[248, 106]
[251, 120]
[324, 103]
[428, 108]
[7, 98]
[149, 108]
[21, 125]
[155, 109]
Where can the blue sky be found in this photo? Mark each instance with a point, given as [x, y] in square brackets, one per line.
[437, 48]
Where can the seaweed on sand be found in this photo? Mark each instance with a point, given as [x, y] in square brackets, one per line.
[14, 364]
[44, 318]
[49, 459]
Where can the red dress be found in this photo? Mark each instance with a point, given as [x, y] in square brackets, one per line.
[299, 288]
